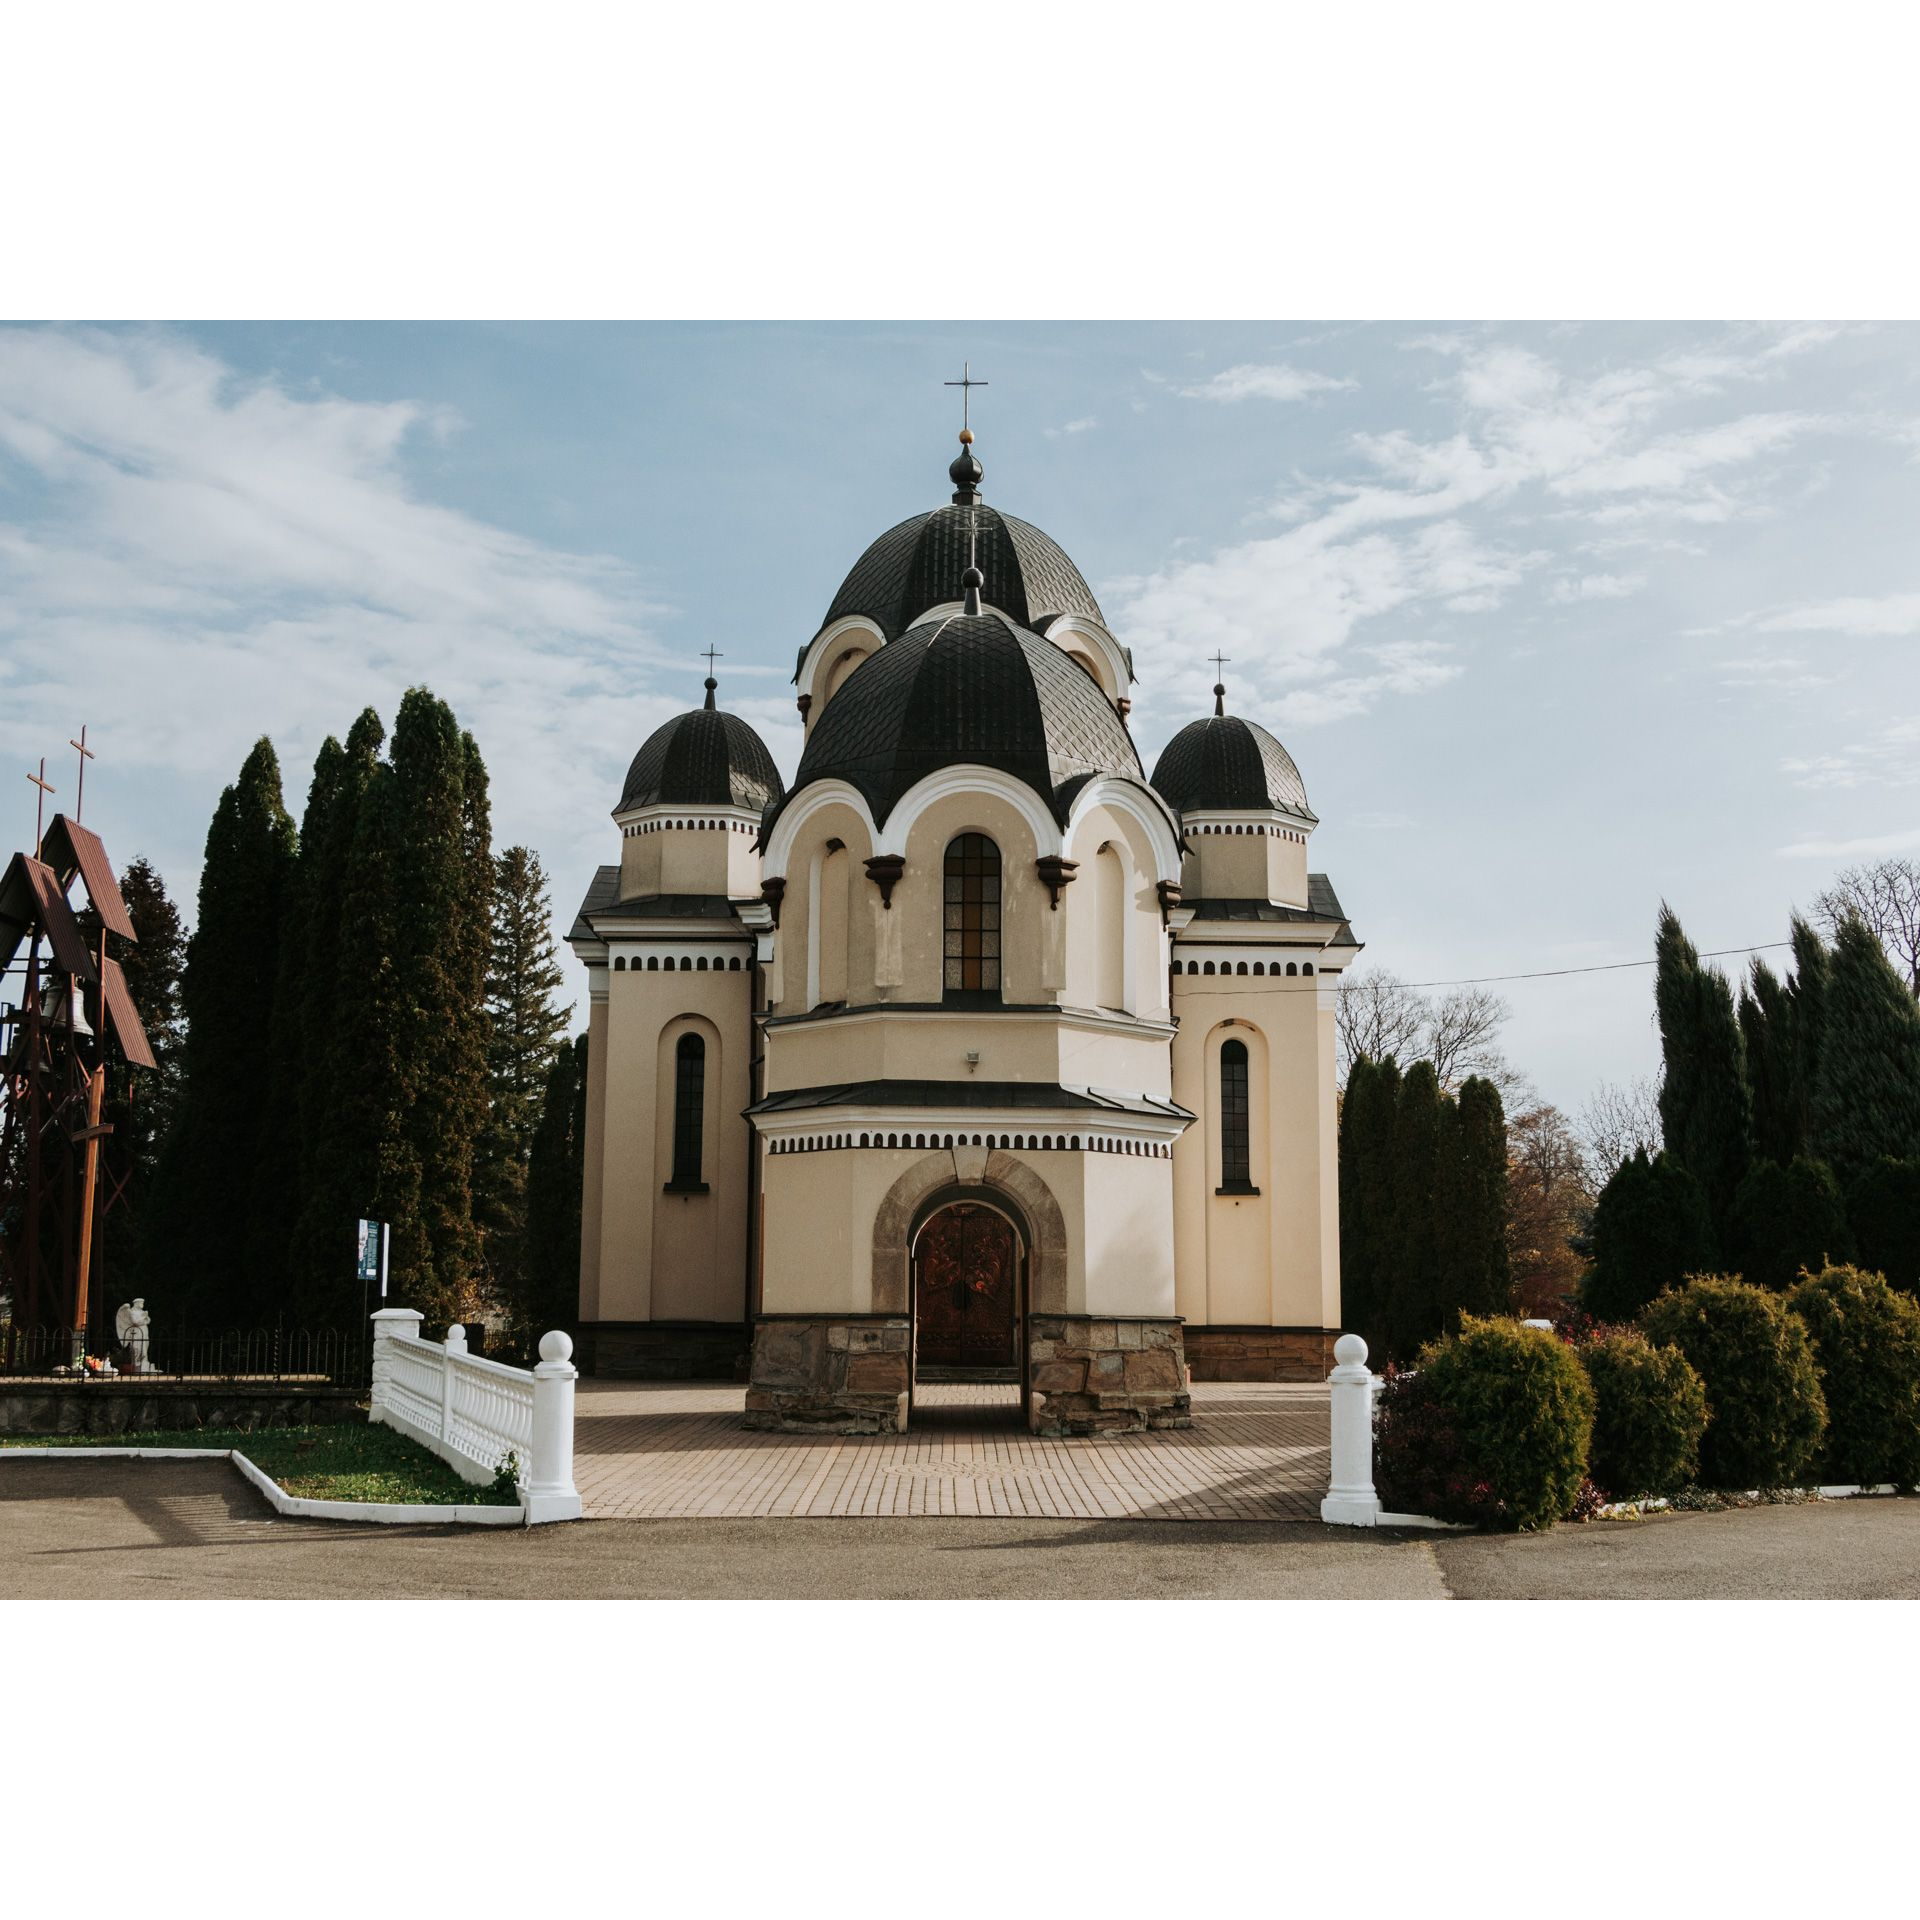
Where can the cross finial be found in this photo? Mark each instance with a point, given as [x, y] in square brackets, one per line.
[40, 804]
[966, 383]
[86, 753]
[712, 654]
[1219, 683]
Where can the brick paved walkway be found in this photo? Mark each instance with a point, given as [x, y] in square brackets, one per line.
[649, 1451]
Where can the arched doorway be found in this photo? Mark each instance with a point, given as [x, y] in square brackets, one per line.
[969, 1294]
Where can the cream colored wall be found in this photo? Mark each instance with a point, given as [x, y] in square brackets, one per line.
[1271, 1259]
[1115, 892]
[1244, 866]
[1287, 871]
[933, 1046]
[820, 1208]
[666, 1256]
[712, 859]
[833, 662]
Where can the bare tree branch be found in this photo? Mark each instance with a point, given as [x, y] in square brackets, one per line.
[1617, 1122]
[1886, 896]
[1376, 1015]
[1379, 1014]
[1462, 1030]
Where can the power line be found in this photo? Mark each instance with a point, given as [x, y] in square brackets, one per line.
[1608, 966]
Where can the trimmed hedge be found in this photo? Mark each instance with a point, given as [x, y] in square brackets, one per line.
[1493, 1429]
[1866, 1341]
[1768, 1415]
[1649, 1414]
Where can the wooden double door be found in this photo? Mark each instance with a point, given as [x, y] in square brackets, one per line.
[967, 1264]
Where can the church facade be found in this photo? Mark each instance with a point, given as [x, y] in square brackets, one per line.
[975, 1053]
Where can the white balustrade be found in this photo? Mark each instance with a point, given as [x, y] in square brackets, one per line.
[1351, 1500]
[475, 1413]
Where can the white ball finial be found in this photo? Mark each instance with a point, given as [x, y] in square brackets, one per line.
[1350, 1351]
[556, 1345]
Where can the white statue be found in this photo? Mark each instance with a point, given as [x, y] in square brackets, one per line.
[132, 1326]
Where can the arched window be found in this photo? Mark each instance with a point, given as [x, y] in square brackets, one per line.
[1236, 1172]
[971, 932]
[689, 1110]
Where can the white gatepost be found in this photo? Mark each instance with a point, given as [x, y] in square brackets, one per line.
[549, 1493]
[1351, 1500]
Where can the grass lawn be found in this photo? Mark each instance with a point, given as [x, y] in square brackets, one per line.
[350, 1461]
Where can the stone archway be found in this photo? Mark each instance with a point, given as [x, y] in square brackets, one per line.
[893, 1223]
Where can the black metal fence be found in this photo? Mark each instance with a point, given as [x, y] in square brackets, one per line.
[341, 1357]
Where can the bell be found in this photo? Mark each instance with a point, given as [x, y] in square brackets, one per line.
[64, 1004]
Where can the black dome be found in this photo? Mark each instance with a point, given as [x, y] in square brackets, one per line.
[703, 759]
[918, 565]
[975, 691]
[1226, 761]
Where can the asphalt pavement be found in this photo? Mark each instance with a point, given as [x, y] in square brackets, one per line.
[122, 1529]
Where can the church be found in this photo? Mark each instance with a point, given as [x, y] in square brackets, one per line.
[974, 1054]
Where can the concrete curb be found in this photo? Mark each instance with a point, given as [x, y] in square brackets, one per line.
[379, 1512]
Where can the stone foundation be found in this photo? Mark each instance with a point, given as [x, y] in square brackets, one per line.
[663, 1349]
[140, 1406]
[1097, 1375]
[830, 1373]
[1261, 1353]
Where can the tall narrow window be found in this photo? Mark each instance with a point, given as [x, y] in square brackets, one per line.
[689, 1103]
[1236, 1173]
[972, 916]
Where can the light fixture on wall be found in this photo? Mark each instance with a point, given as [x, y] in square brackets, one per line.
[973, 1060]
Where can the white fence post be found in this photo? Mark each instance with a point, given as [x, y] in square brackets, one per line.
[1351, 1500]
[390, 1323]
[548, 1491]
[456, 1342]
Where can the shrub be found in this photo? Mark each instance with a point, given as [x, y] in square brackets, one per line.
[1649, 1412]
[1866, 1340]
[1787, 1218]
[1493, 1429]
[1768, 1414]
[1884, 1206]
[1650, 1230]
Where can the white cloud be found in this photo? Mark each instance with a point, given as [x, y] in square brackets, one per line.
[1890, 614]
[1597, 586]
[1086, 425]
[192, 559]
[1779, 673]
[1891, 759]
[1871, 847]
[1276, 382]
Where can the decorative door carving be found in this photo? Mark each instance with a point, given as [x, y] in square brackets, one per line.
[966, 1280]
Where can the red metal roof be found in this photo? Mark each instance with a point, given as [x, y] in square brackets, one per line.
[125, 1020]
[69, 848]
[31, 896]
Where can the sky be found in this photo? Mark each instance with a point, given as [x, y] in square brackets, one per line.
[1558, 620]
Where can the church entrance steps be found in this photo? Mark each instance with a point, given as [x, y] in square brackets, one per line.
[645, 1450]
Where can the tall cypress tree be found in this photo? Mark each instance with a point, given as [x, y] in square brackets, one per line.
[1867, 1100]
[1651, 1229]
[1706, 1107]
[525, 1029]
[1408, 1290]
[556, 1163]
[331, 1198]
[1766, 1031]
[1367, 1113]
[1808, 997]
[233, 962]
[1480, 1281]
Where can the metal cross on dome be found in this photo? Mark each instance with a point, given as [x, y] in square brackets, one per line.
[966, 383]
[1219, 662]
[710, 656]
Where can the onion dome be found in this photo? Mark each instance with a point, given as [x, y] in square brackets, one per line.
[1229, 762]
[975, 690]
[705, 758]
[913, 566]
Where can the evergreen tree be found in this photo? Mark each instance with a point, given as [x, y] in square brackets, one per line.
[1883, 1207]
[525, 1030]
[1766, 1031]
[1477, 1279]
[1807, 996]
[1706, 1108]
[365, 1151]
[143, 1106]
[1651, 1229]
[331, 1199]
[1784, 1219]
[556, 1163]
[233, 960]
[1407, 1311]
[1867, 1098]
[1366, 1136]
